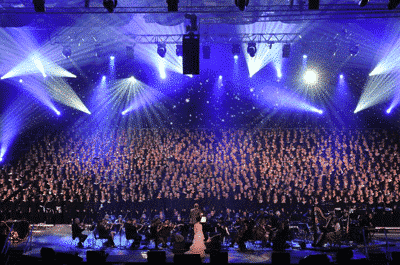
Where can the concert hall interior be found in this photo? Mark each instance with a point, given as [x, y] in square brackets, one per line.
[203, 131]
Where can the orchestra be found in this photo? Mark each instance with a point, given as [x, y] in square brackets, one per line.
[272, 229]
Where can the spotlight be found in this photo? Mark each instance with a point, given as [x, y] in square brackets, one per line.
[179, 50]
[393, 4]
[124, 112]
[1, 159]
[110, 5]
[130, 52]
[236, 57]
[251, 49]
[388, 110]
[305, 56]
[354, 49]
[310, 77]
[39, 5]
[220, 77]
[58, 113]
[161, 49]
[103, 78]
[67, 51]
[363, 3]
[112, 57]
[286, 51]
[341, 76]
[235, 49]
[172, 5]
[241, 4]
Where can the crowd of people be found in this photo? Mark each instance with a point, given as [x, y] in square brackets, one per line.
[140, 172]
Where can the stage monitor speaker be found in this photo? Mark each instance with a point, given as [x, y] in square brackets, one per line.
[281, 258]
[378, 258]
[47, 254]
[315, 259]
[156, 257]
[191, 54]
[187, 259]
[313, 4]
[286, 51]
[96, 257]
[219, 258]
[67, 258]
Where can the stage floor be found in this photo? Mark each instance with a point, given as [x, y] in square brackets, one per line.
[59, 238]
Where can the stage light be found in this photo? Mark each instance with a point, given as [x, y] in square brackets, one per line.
[39, 5]
[112, 57]
[242, 4]
[132, 79]
[179, 50]
[305, 56]
[354, 49]
[363, 3]
[319, 111]
[313, 4]
[286, 51]
[172, 5]
[130, 52]
[21, 81]
[57, 112]
[279, 73]
[67, 52]
[110, 5]
[236, 57]
[220, 77]
[310, 77]
[393, 4]
[103, 78]
[161, 49]
[235, 49]
[341, 76]
[388, 110]
[251, 49]
[124, 112]
[1, 159]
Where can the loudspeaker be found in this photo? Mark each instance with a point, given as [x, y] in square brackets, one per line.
[219, 258]
[191, 54]
[96, 257]
[187, 259]
[281, 258]
[313, 4]
[156, 257]
[286, 51]
[47, 254]
[67, 258]
[315, 259]
[206, 52]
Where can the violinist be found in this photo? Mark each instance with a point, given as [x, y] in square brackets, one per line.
[77, 229]
[104, 230]
[164, 231]
[131, 232]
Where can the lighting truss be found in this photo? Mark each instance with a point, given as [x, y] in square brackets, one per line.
[225, 39]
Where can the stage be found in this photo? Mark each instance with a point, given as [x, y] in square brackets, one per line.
[58, 237]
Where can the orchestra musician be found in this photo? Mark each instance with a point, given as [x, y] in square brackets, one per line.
[131, 232]
[104, 231]
[77, 229]
[164, 231]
